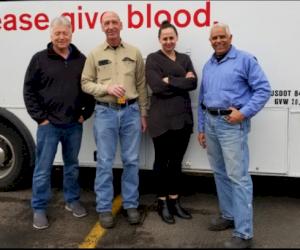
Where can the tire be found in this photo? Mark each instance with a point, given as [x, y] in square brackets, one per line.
[13, 158]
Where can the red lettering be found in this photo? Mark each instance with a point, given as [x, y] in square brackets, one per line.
[39, 20]
[131, 14]
[26, 24]
[148, 15]
[158, 14]
[79, 18]
[182, 18]
[10, 22]
[206, 13]
[91, 23]
[187, 18]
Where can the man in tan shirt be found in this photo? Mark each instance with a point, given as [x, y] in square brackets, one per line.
[114, 75]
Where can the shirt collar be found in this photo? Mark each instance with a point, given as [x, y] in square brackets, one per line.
[51, 52]
[107, 46]
[231, 54]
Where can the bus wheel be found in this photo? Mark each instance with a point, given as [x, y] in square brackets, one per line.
[13, 155]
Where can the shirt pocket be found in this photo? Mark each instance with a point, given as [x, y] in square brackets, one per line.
[129, 64]
[104, 70]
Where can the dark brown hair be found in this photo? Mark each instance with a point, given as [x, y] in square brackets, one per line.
[164, 25]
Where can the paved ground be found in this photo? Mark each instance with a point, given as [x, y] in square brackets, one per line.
[276, 217]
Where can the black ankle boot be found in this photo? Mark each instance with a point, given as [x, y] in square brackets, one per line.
[176, 209]
[163, 211]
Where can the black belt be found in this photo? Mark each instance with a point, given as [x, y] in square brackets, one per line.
[216, 111]
[116, 105]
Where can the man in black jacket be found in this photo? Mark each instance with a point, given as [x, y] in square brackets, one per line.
[54, 99]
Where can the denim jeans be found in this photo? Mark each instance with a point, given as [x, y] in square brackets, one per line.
[110, 126]
[228, 154]
[48, 137]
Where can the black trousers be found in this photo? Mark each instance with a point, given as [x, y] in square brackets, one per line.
[170, 148]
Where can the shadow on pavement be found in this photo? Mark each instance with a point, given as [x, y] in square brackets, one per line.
[192, 184]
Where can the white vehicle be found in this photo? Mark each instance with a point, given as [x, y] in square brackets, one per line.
[267, 29]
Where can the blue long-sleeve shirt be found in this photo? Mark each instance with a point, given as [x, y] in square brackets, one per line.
[235, 81]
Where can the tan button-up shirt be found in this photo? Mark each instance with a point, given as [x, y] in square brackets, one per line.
[124, 65]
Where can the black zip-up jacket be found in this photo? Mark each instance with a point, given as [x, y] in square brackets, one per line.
[52, 88]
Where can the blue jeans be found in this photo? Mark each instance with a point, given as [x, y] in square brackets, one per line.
[110, 125]
[228, 154]
[48, 137]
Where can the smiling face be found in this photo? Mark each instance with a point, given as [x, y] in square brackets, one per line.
[61, 37]
[111, 26]
[220, 40]
[168, 39]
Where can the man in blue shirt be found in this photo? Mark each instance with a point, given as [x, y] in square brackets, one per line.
[233, 89]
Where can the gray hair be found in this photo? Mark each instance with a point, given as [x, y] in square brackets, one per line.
[60, 20]
[223, 26]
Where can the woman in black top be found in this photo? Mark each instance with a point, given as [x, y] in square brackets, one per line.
[170, 75]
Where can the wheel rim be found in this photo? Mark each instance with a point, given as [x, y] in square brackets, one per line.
[7, 157]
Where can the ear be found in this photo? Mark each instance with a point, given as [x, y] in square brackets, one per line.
[121, 25]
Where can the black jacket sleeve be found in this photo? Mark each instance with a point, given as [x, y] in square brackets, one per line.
[88, 105]
[31, 98]
[154, 77]
[87, 100]
[183, 83]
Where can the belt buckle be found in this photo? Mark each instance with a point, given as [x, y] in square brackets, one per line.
[121, 100]
[215, 112]
[115, 105]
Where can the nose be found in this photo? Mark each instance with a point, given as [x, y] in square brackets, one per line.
[218, 39]
[110, 25]
[61, 36]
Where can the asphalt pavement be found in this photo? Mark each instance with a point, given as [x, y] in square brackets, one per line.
[276, 217]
